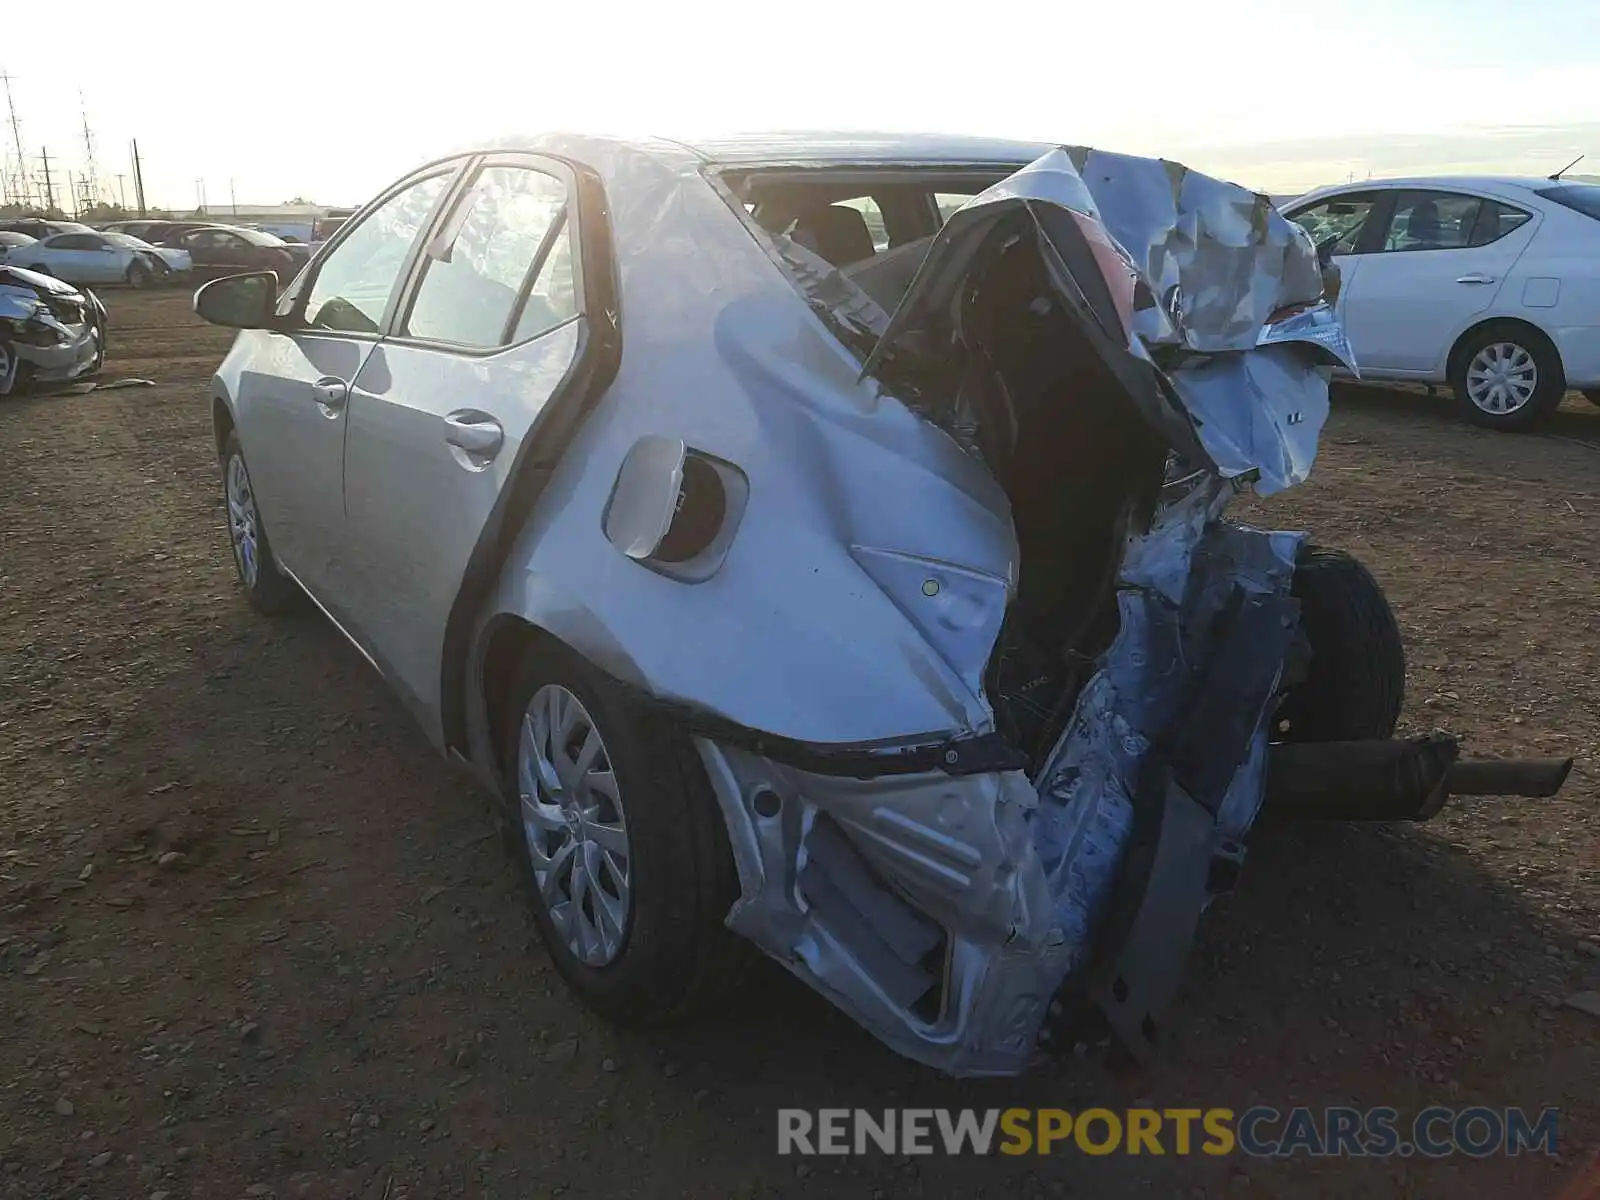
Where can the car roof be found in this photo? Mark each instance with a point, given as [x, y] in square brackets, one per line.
[853, 146]
[1486, 183]
[800, 148]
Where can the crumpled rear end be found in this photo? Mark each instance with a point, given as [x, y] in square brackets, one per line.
[970, 919]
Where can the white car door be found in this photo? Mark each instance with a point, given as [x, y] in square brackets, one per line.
[65, 257]
[1442, 257]
[103, 262]
[446, 409]
[1338, 227]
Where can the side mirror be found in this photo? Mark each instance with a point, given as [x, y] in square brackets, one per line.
[239, 301]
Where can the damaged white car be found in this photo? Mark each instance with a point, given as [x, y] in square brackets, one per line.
[821, 540]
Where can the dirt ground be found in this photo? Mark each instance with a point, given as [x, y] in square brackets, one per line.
[333, 989]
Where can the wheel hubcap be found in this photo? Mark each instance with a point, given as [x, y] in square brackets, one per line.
[1501, 378]
[573, 825]
[242, 521]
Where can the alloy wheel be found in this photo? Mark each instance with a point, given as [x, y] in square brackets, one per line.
[574, 826]
[243, 523]
[1502, 378]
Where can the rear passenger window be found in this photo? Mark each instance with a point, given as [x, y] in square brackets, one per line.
[1432, 221]
[501, 268]
[1495, 220]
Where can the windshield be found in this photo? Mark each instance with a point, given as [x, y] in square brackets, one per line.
[1580, 197]
[127, 239]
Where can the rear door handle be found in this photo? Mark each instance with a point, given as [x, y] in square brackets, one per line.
[330, 393]
[1475, 278]
[477, 433]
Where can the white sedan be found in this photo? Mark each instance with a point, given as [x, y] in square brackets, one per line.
[101, 258]
[1491, 285]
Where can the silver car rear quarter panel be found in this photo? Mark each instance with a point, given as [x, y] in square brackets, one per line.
[942, 912]
[793, 635]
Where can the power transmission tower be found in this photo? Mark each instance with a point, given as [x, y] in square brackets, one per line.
[89, 182]
[21, 185]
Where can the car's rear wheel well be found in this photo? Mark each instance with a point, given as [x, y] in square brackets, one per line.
[221, 423]
[1513, 326]
[508, 645]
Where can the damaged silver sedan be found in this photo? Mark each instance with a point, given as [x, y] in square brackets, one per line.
[822, 540]
[50, 332]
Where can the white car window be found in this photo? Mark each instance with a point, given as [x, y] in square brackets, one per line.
[1336, 223]
[471, 287]
[554, 295]
[354, 282]
[1432, 221]
[1495, 220]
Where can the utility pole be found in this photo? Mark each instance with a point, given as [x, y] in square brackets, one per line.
[16, 138]
[122, 196]
[200, 196]
[72, 209]
[138, 178]
[233, 199]
[49, 193]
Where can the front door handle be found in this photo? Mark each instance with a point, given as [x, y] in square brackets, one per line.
[1475, 278]
[330, 394]
[477, 433]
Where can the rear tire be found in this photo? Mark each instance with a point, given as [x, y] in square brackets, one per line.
[1355, 681]
[1507, 376]
[270, 592]
[670, 953]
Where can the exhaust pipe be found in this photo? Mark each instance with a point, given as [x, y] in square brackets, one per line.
[1540, 777]
[1393, 780]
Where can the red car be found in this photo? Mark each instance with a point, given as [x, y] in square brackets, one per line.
[217, 250]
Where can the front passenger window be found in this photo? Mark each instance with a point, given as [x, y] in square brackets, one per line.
[1335, 225]
[354, 282]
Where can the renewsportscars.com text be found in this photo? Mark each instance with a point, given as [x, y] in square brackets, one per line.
[1260, 1131]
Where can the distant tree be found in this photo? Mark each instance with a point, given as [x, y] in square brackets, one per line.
[32, 210]
[100, 213]
[300, 200]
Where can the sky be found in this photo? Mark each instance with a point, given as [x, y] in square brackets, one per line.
[331, 100]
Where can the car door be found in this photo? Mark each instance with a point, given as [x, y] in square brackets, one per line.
[103, 262]
[202, 247]
[489, 329]
[67, 257]
[1341, 228]
[1434, 269]
[292, 401]
[234, 253]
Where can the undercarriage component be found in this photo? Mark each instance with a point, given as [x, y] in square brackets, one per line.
[1393, 780]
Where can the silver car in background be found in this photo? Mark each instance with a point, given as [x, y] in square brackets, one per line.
[821, 538]
[93, 257]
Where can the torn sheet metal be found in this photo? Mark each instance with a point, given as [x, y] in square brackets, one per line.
[1163, 264]
[850, 883]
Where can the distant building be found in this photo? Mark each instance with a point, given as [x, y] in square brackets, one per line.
[290, 221]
